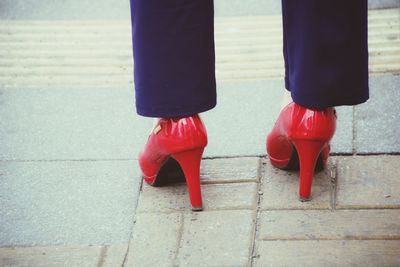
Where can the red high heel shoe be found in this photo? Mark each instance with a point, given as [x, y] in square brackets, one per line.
[182, 139]
[301, 134]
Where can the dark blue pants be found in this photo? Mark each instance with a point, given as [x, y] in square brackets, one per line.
[325, 52]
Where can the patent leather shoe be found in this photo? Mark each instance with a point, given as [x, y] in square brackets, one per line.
[183, 140]
[300, 138]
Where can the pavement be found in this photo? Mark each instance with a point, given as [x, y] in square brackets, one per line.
[70, 188]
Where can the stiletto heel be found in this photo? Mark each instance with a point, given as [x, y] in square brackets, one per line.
[178, 141]
[308, 151]
[190, 164]
[300, 139]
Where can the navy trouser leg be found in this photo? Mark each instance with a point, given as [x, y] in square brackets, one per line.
[325, 51]
[174, 62]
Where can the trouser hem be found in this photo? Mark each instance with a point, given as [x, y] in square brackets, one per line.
[168, 112]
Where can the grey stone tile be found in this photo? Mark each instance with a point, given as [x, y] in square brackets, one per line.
[73, 256]
[215, 196]
[245, 113]
[368, 182]
[170, 198]
[68, 9]
[381, 4]
[280, 190]
[155, 240]
[239, 128]
[230, 170]
[377, 121]
[107, 9]
[369, 253]
[101, 123]
[342, 141]
[47, 124]
[251, 7]
[220, 238]
[69, 202]
[324, 224]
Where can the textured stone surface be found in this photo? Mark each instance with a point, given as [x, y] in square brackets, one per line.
[239, 128]
[368, 182]
[281, 190]
[261, 102]
[230, 170]
[321, 224]
[90, 198]
[379, 4]
[251, 7]
[64, 123]
[69, 202]
[68, 9]
[107, 9]
[215, 196]
[342, 141]
[155, 240]
[329, 253]
[69, 124]
[378, 121]
[220, 238]
[71, 256]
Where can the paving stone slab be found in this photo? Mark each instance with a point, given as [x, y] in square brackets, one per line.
[322, 224]
[155, 240]
[230, 170]
[219, 238]
[68, 9]
[54, 124]
[107, 9]
[67, 202]
[381, 4]
[329, 253]
[215, 196]
[342, 141]
[280, 190]
[71, 256]
[377, 122]
[251, 7]
[239, 128]
[64, 123]
[368, 182]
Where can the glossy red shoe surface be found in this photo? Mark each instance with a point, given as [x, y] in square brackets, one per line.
[182, 139]
[309, 132]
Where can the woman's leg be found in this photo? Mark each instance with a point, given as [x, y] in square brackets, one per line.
[173, 50]
[325, 51]
[174, 62]
[326, 64]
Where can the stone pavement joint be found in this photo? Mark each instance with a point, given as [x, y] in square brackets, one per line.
[367, 182]
[61, 206]
[233, 170]
[242, 224]
[368, 253]
[220, 196]
[71, 255]
[281, 189]
[97, 54]
[228, 236]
